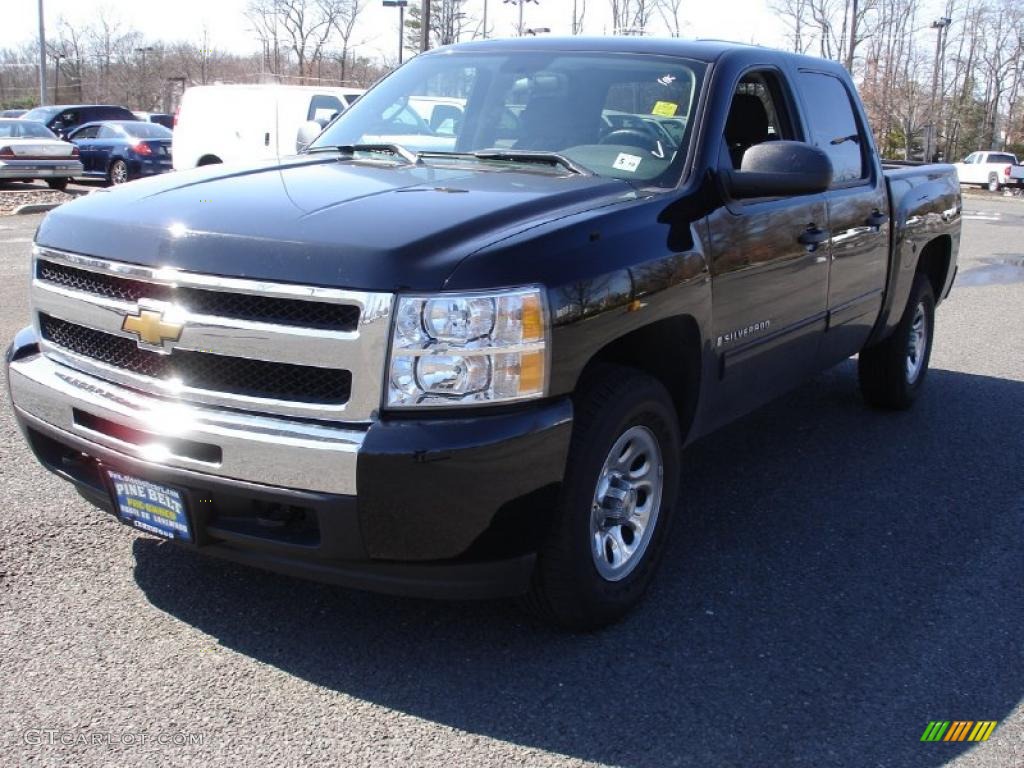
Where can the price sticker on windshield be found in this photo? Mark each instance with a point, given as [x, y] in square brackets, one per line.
[627, 163]
[665, 109]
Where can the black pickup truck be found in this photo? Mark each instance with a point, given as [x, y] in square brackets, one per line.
[456, 347]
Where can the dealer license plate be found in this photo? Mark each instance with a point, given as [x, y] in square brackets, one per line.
[150, 507]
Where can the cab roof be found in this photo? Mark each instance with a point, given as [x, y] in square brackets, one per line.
[700, 50]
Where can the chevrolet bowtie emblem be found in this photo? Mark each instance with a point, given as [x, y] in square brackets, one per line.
[152, 329]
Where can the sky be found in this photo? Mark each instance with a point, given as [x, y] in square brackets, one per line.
[740, 20]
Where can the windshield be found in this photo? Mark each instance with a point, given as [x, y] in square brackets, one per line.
[145, 130]
[40, 114]
[624, 116]
[20, 129]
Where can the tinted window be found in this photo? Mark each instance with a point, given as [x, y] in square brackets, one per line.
[110, 113]
[833, 125]
[993, 158]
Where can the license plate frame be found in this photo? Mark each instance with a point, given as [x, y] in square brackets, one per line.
[152, 507]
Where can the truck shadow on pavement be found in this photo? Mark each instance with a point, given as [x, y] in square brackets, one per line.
[837, 578]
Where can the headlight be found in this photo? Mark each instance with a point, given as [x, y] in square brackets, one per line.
[465, 349]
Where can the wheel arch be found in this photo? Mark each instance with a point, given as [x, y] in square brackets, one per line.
[669, 350]
[209, 160]
[934, 261]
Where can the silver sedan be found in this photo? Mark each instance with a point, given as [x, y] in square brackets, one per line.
[29, 150]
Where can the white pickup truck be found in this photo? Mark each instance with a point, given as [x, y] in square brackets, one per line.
[993, 170]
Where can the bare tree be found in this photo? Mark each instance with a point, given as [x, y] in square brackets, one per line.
[263, 16]
[345, 24]
[669, 11]
[796, 16]
[579, 12]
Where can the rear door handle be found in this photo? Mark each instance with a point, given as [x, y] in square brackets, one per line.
[266, 139]
[813, 236]
[876, 219]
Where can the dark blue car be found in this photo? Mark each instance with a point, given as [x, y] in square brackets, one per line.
[122, 150]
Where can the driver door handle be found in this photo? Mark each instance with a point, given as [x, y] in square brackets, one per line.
[813, 236]
[877, 219]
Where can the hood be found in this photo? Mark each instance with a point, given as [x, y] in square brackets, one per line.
[320, 220]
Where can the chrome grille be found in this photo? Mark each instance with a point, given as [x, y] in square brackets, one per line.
[200, 370]
[276, 348]
[266, 309]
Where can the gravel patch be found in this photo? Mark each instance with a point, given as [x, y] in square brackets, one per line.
[11, 199]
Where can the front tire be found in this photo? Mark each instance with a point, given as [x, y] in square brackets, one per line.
[59, 184]
[892, 373]
[117, 173]
[616, 505]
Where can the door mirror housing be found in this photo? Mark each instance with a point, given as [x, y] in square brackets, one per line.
[781, 169]
[308, 131]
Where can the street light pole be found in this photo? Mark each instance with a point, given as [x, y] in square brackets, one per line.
[42, 56]
[931, 145]
[57, 56]
[520, 30]
[400, 5]
[425, 31]
[144, 51]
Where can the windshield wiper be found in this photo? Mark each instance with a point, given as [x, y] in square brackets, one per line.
[533, 156]
[351, 149]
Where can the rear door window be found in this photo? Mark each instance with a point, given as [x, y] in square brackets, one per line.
[994, 158]
[834, 126]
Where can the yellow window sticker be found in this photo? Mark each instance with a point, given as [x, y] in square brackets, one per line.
[665, 109]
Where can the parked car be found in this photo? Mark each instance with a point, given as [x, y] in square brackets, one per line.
[472, 372]
[160, 118]
[241, 123]
[122, 150]
[442, 114]
[30, 151]
[64, 118]
[992, 170]
[13, 112]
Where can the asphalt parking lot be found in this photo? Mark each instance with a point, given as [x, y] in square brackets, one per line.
[839, 577]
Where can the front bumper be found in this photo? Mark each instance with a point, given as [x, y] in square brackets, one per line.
[40, 169]
[445, 507]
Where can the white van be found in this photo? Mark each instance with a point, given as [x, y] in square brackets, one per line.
[241, 123]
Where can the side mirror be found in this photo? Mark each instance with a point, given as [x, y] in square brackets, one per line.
[308, 131]
[781, 169]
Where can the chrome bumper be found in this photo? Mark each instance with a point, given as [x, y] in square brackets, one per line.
[18, 169]
[258, 449]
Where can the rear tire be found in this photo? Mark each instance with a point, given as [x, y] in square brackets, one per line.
[993, 182]
[117, 173]
[58, 184]
[616, 505]
[892, 373]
